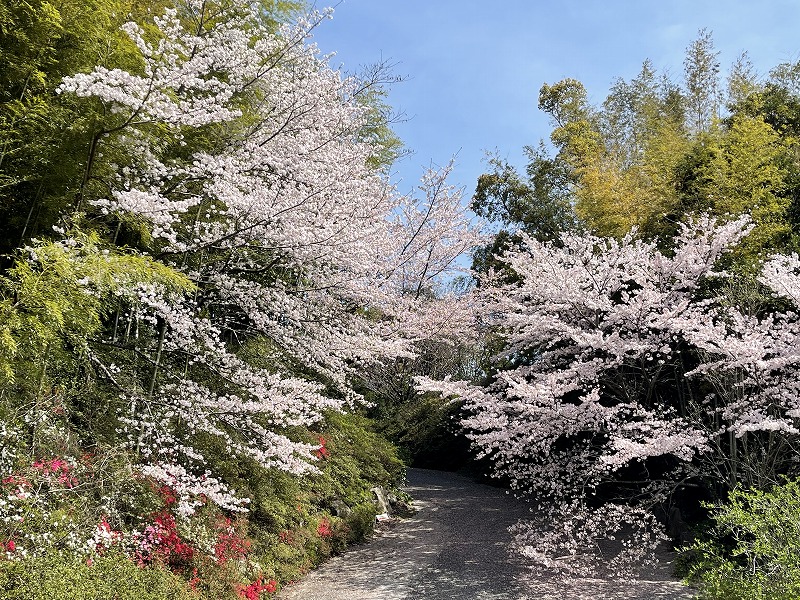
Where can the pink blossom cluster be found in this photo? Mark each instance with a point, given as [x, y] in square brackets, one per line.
[57, 469]
[186, 490]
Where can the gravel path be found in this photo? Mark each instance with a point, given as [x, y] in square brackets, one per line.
[455, 548]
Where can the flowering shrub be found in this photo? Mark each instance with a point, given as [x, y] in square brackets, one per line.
[254, 590]
[104, 537]
[324, 528]
[322, 451]
[230, 545]
[109, 512]
[161, 542]
[32, 514]
[42, 513]
[286, 537]
[58, 469]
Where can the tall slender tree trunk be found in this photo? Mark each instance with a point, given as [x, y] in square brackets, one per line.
[162, 329]
[34, 204]
[87, 172]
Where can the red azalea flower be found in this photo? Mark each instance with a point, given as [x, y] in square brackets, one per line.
[167, 546]
[16, 480]
[286, 536]
[195, 580]
[253, 591]
[322, 451]
[324, 528]
[230, 546]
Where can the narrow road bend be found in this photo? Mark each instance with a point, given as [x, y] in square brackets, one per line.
[456, 548]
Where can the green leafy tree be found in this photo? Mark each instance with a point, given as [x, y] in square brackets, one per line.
[53, 304]
[747, 172]
[701, 72]
[45, 135]
[655, 151]
[619, 156]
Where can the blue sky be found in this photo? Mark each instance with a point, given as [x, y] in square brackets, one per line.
[473, 69]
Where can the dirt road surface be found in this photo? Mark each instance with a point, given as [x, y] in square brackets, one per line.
[455, 548]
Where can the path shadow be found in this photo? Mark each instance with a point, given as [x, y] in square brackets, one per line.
[456, 547]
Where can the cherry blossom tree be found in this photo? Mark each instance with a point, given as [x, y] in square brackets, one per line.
[241, 152]
[624, 375]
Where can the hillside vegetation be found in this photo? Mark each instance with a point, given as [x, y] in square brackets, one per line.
[204, 266]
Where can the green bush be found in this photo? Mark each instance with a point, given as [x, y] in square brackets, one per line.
[357, 460]
[109, 577]
[360, 523]
[752, 550]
